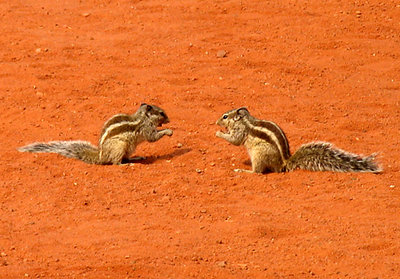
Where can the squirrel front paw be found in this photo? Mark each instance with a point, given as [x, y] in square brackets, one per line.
[168, 132]
[219, 134]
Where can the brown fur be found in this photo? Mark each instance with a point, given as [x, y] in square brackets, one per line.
[269, 151]
[118, 139]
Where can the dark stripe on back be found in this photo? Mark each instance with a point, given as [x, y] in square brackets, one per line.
[280, 135]
[262, 135]
[119, 128]
[114, 120]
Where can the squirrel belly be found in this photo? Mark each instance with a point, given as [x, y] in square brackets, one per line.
[322, 156]
[81, 150]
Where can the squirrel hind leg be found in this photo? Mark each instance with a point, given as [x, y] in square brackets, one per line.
[265, 165]
[266, 161]
[259, 166]
[113, 152]
[258, 162]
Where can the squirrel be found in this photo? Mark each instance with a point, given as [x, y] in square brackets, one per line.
[118, 139]
[269, 151]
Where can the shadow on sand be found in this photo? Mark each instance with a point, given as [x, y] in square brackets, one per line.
[152, 159]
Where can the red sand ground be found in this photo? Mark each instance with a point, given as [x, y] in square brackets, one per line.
[322, 71]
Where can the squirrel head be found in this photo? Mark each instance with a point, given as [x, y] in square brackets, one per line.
[232, 116]
[155, 114]
[232, 119]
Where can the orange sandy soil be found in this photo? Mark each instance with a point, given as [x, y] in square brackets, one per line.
[321, 71]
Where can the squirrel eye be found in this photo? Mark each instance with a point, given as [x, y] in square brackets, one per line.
[225, 116]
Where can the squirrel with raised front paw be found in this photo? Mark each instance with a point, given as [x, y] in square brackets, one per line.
[118, 139]
[269, 150]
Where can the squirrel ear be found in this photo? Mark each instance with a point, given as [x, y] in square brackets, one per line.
[240, 112]
[243, 110]
[146, 106]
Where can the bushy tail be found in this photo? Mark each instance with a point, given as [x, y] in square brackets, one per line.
[81, 150]
[322, 156]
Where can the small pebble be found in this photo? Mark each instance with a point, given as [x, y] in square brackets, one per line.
[243, 266]
[221, 53]
[221, 263]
